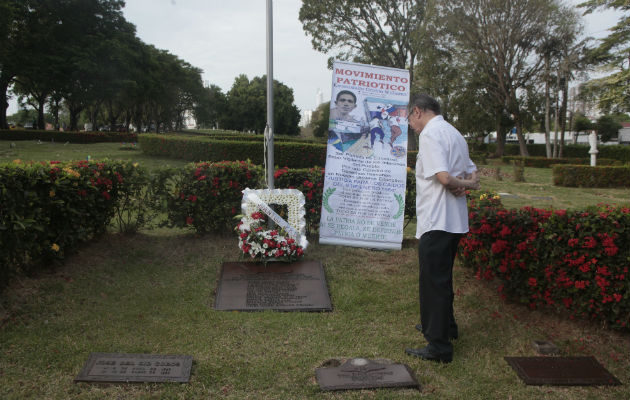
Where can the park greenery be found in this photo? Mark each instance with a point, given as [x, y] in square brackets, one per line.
[492, 64]
[153, 291]
[79, 61]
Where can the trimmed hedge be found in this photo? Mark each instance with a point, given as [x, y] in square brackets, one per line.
[572, 260]
[290, 154]
[587, 176]
[48, 208]
[68, 136]
[207, 196]
[236, 135]
[614, 152]
[544, 162]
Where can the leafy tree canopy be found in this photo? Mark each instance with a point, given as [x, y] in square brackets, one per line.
[376, 32]
[613, 53]
[247, 107]
[607, 127]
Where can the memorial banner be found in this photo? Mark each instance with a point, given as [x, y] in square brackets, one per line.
[363, 203]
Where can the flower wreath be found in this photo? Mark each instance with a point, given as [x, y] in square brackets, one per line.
[288, 241]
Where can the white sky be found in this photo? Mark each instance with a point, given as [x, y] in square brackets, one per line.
[228, 38]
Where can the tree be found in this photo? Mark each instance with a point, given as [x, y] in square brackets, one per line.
[570, 57]
[502, 38]
[13, 14]
[212, 104]
[247, 106]
[320, 120]
[373, 32]
[613, 53]
[440, 73]
[607, 127]
[581, 124]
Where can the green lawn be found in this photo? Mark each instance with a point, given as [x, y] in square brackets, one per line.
[49, 151]
[538, 190]
[153, 292]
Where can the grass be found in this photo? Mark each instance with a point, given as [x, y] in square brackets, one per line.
[538, 190]
[154, 293]
[49, 151]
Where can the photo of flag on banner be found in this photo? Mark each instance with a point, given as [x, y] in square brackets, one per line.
[387, 126]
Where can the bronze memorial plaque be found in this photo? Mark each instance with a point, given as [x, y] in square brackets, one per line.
[115, 367]
[249, 286]
[562, 371]
[360, 373]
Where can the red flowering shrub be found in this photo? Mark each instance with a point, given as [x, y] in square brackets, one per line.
[567, 259]
[309, 181]
[47, 208]
[207, 196]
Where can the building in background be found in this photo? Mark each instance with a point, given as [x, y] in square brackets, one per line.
[307, 115]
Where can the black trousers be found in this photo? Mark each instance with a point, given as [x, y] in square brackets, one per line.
[436, 255]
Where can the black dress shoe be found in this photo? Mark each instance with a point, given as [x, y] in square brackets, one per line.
[451, 336]
[426, 354]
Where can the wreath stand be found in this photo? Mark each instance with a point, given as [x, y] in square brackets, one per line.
[270, 284]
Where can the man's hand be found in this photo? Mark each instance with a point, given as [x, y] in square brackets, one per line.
[458, 192]
[474, 181]
[458, 185]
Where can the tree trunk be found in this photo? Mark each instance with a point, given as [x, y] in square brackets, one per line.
[74, 110]
[41, 124]
[4, 104]
[547, 107]
[500, 136]
[556, 122]
[519, 134]
[563, 110]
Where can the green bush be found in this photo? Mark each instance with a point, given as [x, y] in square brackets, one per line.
[587, 176]
[207, 196]
[544, 162]
[291, 154]
[72, 137]
[236, 135]
[48, 208]
[310, 181]
[575, 260]
[614, 152]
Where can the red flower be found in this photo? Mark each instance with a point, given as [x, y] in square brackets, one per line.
[192, 198]
[189, 220]
[581, 284]
[589, 242]
[567, 302]
[505, 231]
[485, 228]
[498, 246]
[573, 242]
[106, 195]
[532, 282]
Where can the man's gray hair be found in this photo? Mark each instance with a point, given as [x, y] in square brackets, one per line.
[424, 102]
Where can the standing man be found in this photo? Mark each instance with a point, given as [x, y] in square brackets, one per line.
[443, 173]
